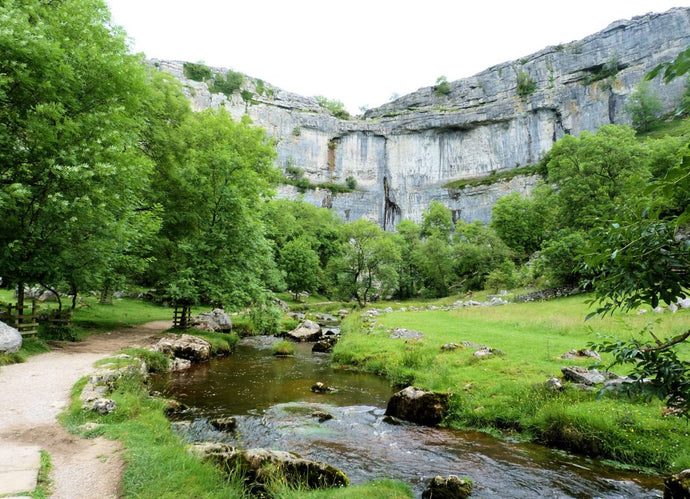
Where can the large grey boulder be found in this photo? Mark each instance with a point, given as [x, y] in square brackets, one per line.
[10, 339]
[261, 466]
[184, 346]
[578, 374]
[215, 320]
[418, 406]
[306, 331]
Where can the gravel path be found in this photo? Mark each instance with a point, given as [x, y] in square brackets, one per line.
[32, 394]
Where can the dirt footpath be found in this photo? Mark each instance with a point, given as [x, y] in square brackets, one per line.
[32, 394]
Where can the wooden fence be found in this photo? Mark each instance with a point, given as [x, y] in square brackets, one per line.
[182, 317]
[25, 323]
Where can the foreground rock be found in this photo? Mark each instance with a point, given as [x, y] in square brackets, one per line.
[261, 466]
[216, 320]
[677, 486]
[184, 346]
[418, 406]
[10, 339]
[306, 331]
[447, 488]
[579, 374]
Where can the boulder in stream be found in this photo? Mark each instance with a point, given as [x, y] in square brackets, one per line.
[215, 320]
[448, 488]
[224, 424]
[418, 406]
[306, 331]
[263, 465]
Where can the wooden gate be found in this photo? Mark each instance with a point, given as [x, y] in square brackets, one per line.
[182, 317]
[23, 321]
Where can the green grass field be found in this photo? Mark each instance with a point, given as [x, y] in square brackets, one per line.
[505, 393]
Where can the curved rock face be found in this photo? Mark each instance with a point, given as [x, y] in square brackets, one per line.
[404, 152]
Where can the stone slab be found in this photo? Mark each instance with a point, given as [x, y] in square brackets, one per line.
[19, 465]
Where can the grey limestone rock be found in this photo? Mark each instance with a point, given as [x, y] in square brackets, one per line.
[306, 331]
[10, 339]
[578, 374]
[184, 346]
[418, 406]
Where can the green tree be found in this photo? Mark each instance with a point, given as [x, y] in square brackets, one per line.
[433, 259]
[437, 220]
[301, 266]
[477, 251]
[522, 222]
[408, 240]
[335, 107]
[644, 107]
[367, 268]
[212, 244]
[71, 170]
[595, 173]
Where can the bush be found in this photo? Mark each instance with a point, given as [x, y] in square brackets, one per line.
[284, 348]
[335, 107]
[227, 85]
[351, 182]
[196, 71]
[265, 319]
[525, 84]
[442, 87]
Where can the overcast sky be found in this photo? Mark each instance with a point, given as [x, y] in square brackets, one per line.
[362, 51]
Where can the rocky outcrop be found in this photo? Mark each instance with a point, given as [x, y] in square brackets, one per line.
[403, 153]
[260, 466]
[451, 487]
[578, 374]
[418, 406]
[10, 339]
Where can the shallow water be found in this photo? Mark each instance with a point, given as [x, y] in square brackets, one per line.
[274, 407]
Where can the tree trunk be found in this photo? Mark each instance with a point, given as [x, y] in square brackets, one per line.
[20, 297]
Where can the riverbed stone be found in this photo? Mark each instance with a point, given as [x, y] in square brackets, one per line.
[263, 465]
[10, 339]
[306, 331]
[320, 387]
[184, 346]
[321, 416]
[451, 487]
[677, 486]
[102, 406]
[418, 406]
[322, 347]
[224, 424]
[582, 375]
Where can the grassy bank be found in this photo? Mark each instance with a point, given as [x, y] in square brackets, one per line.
[505, 394]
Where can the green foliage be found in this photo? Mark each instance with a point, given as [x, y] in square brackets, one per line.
[301, 266]
[247, 96]
[437, 220]
[73, 173]
[442, 87]
[672, 70]
[260, 87]
[367, 267]
[522, 222]
[643, 107]
[335, 107]
[496, 177]
[606, 71]
[196, 71]
[155, 361]
[502, 277]
[477, 250]
[297, 131]
[351, 182]
[228, 84]
[525, 84]
[265, 319]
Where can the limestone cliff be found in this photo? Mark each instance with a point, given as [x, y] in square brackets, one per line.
[403, 153]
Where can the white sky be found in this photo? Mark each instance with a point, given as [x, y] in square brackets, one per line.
[362, 51]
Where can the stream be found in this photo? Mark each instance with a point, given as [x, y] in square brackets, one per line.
[274, 407]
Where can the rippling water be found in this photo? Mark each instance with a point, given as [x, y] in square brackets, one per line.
[274, 407]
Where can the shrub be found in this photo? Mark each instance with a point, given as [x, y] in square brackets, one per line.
[227, 84]
[297, 131]
[247, 96]
[284, 348]
[351, 182]
[525, 84]
[265, 319]
[335, 107]
[442, 87]
[196, 71]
